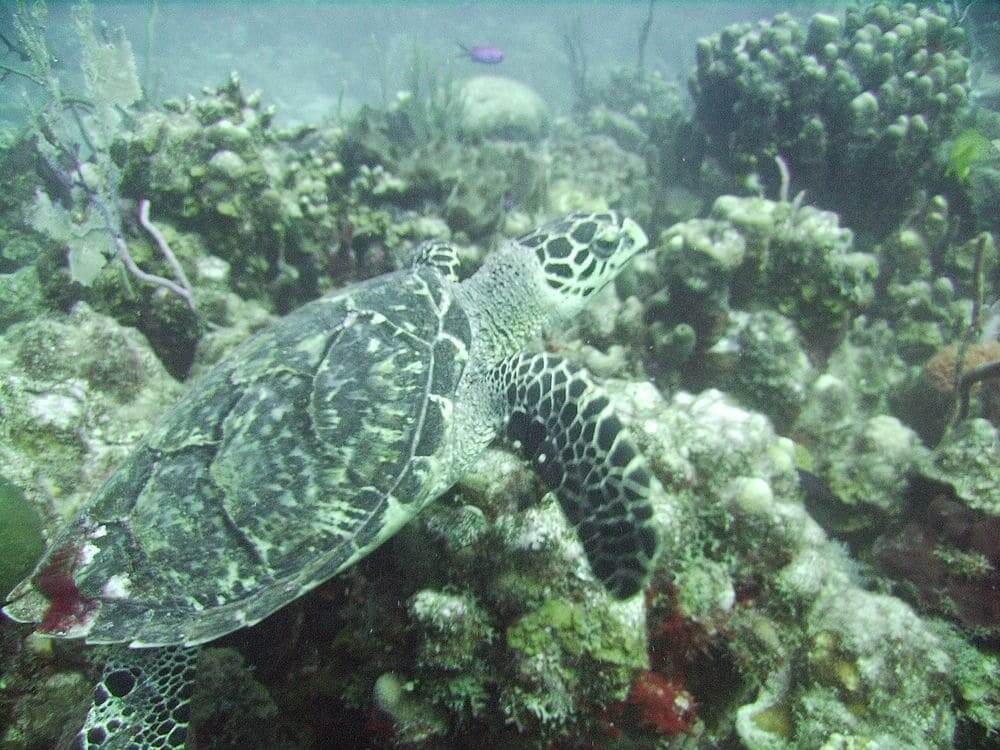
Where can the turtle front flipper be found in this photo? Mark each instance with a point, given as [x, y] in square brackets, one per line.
[563, 423]
[142, 700]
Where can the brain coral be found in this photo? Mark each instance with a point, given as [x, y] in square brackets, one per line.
[855, 108]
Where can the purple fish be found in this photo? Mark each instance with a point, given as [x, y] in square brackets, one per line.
[484, 54]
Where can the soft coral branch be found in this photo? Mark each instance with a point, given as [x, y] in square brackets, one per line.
[182, 287]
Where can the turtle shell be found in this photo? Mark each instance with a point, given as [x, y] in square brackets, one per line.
[299, 453]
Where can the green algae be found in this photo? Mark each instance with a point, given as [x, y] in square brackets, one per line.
[20, 536]
[968, 147]
[574, 630]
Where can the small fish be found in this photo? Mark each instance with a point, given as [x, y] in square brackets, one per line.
[484, 54]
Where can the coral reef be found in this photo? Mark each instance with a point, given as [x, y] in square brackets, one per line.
[592, 171]
[497, 107]
[700, 292]
[829, 520]
[802, 262]
[947, 547]
[801, 675]
[20, 296]
[500, 631]
[855, 107]
[648, 116]
[480, 186]
[76, 392]
[215, 165]
[867, 467]
[760, 359]
[968, 460]
[225, 681]
[937, 386]
[51, 706]
[946, 555]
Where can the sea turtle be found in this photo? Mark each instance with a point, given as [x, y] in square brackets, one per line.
[317, 439]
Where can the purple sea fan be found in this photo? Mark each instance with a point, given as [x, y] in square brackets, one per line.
[485, 54]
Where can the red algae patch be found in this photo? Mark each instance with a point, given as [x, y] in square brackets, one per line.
[68, 607]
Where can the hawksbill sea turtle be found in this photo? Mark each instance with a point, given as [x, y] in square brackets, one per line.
[317, 439]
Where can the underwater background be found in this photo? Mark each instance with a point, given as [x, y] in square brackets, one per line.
[808, 355]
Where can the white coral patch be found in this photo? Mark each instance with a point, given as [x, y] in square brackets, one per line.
[58, 411]
[535, 529]
[117, 586]
[87, 554]
[83, 626]
[630, 613]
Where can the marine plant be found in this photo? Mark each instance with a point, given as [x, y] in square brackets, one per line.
[576, 58]
[644, 29]
[429, 105]
[73, 136]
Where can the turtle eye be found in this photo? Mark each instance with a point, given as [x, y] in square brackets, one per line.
[604, 247]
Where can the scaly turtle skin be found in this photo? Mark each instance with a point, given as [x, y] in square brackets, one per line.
[316, 440]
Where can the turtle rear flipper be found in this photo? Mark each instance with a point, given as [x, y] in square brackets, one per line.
[142, 700]
[563, 423]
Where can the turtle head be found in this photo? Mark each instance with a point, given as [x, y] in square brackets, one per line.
[581, 253]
